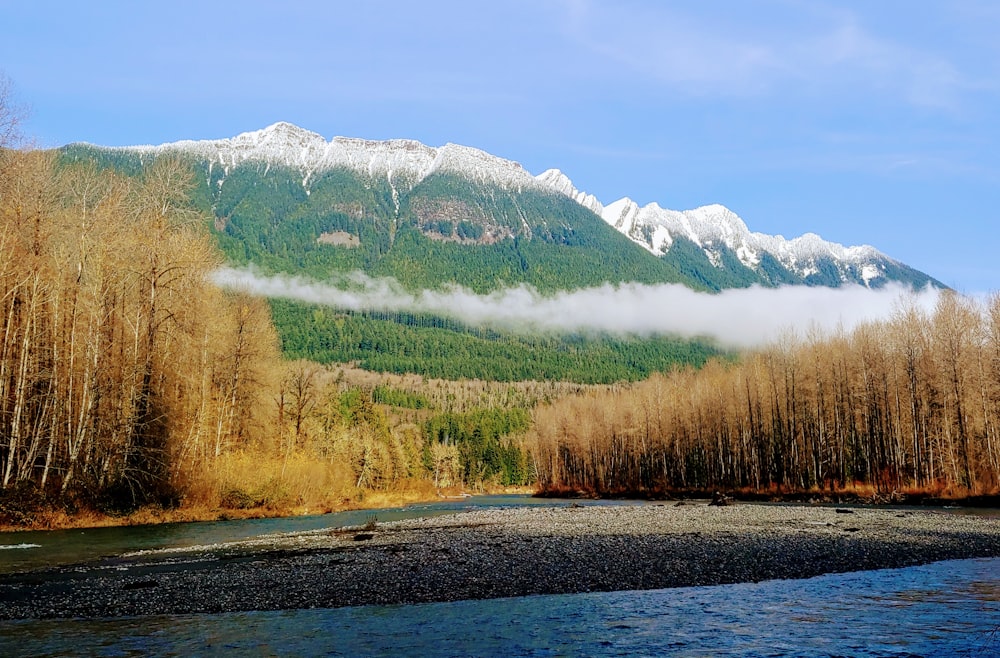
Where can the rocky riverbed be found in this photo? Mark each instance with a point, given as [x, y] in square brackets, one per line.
[493, 553]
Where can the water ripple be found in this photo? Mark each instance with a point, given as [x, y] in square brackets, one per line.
[943, 609]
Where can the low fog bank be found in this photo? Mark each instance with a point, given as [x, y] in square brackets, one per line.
[743, 317]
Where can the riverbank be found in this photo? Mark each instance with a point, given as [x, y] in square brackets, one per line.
[852, 495]
[59, 519]
[56, 518]
[502, 552]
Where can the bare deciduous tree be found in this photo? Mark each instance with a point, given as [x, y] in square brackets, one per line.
[909, 403]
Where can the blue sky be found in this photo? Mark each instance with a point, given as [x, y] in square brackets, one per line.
[865, 122]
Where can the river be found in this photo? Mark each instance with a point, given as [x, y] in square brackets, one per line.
[944, 609]
[48, 548]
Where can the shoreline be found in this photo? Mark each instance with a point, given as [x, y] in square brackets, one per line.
[832, 497]
[494, 553]
[54, 519]
[58, 520]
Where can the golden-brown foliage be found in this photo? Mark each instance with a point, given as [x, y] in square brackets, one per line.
[123, 368]
[909, 404]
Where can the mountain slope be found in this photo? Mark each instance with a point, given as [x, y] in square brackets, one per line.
[288, 200]
[719, 237]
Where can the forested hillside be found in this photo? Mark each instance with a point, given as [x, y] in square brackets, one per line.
[445, 230]
[284, 200]
[445, 349]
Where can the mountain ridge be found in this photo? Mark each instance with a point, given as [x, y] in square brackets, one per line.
[289, 145]
[709, 246]
[655, 228]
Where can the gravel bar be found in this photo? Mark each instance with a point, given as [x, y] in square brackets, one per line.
[493, 553]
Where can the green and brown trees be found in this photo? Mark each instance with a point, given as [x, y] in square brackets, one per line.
[127, 377]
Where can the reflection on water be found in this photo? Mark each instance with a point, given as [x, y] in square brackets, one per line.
[944, 609]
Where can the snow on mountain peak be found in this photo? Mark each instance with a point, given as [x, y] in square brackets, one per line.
[404, 163]
[714, 227]
[283, 132]
[560, 182]
[288, 145]
[482, 167]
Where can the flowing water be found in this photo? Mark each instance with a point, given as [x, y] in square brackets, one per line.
[944, 609]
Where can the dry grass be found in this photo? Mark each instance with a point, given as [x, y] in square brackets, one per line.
[298, 483]
[252, 484]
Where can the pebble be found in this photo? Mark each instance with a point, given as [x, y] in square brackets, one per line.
[489, 553]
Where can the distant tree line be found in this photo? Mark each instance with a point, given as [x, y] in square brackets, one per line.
[383, 437]
[447, 349]
[910, 403]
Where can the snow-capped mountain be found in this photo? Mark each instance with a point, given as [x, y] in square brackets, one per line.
[459, 194]
[403, 162]
[715, 229]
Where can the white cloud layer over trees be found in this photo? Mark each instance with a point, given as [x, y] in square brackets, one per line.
[737, 317]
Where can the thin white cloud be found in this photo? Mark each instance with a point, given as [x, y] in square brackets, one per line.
[815, 49]
[739, 317]
[879, 64]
